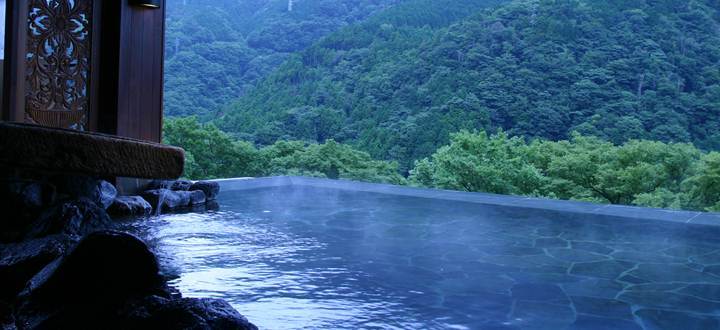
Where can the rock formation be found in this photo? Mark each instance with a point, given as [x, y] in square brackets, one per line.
[63, 265]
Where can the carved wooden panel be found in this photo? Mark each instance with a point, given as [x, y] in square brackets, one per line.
[59, 48]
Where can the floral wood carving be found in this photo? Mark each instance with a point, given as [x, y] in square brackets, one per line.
[58, 63]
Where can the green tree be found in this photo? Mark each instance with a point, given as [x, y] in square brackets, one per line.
[704, 187]
[216, 50]
[211, 153]
[401, 81]
[478, 162]
[639, 172]
[331, 160]
[593, 169]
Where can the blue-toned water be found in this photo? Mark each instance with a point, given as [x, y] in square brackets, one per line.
[311, 258]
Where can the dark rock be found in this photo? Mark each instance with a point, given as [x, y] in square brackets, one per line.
[104, 265]
[159, 184]
[213, 313]
[74, 185]
[185, 198]
[99, 191]
[26, 194]
[21, 202]
[212, 206]
[20, 262]
[167, 199]
[181, 185]
[105, 194]
[111, 280]
[197, 197]
[151, 312]
[154, 196]
[78, 217]
[186, 313]
[7, 320]
[101, 273]
[210, 188]
[130, 205]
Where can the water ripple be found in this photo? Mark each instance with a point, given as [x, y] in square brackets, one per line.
[307, 258]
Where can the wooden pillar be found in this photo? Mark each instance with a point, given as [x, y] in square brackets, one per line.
[14, 69]
[131, 84]
[131, 75]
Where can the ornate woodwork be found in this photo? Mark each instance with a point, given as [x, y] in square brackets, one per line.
[58, 59]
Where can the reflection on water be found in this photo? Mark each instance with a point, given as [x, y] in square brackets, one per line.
[278, 280]
[309, 258]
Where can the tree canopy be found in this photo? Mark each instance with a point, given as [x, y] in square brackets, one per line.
[397, 84]
[216, 50]
[211, 153]
[604, 101]
[638, 172]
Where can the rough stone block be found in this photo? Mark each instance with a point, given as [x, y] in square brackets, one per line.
[68, 151]
[130, 205]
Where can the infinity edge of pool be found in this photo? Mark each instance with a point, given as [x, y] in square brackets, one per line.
[584, 208]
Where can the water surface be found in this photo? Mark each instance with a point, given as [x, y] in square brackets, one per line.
[297, 257]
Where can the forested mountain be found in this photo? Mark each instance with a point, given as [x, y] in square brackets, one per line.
[216, 50]
[398, 84]
[613, 101]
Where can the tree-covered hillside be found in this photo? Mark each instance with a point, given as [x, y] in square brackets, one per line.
[215, 50]
[398, 84]
[639, 172]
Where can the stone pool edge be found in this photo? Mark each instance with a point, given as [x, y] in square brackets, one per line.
[585, 208]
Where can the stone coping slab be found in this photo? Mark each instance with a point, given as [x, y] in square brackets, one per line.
[540, 204]
[35, 147]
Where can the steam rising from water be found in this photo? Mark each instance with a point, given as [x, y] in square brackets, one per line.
[310, 258]
[279, 280]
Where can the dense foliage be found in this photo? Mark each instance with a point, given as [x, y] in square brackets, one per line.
[211, 153]
[606, 101]
[217, 49]
[399, 83]
[639, 172]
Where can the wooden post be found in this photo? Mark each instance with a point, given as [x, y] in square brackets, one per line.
[131, 83]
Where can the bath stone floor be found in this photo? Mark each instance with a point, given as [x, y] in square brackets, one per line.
[294, 257]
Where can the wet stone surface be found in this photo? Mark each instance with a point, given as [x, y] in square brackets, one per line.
[300, 257]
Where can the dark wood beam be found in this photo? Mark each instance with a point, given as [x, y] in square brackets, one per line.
[131, 74]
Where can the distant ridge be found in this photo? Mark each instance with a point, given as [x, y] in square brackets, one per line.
[399, 83]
